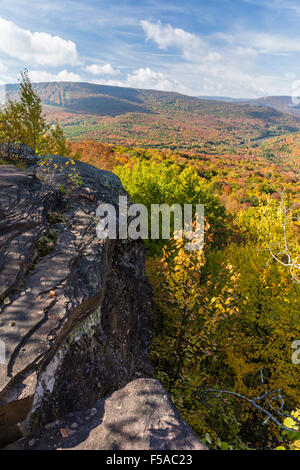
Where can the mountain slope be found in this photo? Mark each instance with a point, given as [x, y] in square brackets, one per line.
[281, 103]
[284, 104]
[151, 118]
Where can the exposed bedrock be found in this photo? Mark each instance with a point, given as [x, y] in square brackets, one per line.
[139, 416]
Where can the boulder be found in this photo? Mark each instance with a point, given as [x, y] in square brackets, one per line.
[140, 416]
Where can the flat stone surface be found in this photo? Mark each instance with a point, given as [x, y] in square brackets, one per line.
[140, 416]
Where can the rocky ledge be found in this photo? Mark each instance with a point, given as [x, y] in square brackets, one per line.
[75, 315]
[140, 416]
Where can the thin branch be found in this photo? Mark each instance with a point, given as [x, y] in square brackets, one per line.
[266, 396]
[291, 263]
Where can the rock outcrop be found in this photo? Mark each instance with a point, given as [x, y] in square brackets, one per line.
[75, 311]
[140, 416]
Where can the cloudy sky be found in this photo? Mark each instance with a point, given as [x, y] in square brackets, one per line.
[239, 48]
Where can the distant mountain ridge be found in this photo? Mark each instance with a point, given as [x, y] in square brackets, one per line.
[284, 104]
[281, 103]
[137, 117]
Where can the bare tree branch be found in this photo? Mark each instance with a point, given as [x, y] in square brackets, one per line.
[268, 397]
[291, 262]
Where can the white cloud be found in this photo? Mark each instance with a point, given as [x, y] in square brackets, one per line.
[224, 64]
[37, 47]
[246, 51]
[268, 43]
[227, 78]
[191, 46]
[165, 35]
[277, 5]
[148, 79]
[262, 42]
[101, 69]
[63, 76]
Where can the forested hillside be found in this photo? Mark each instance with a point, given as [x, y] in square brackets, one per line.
[281, 103]
[229, 313]
[149, 118]
[285, 104]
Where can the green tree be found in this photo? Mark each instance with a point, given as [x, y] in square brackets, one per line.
[150, 182]
[32, 114]
[57, 142]
[22, 121]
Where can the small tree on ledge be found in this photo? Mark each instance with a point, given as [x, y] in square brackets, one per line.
[23, 122]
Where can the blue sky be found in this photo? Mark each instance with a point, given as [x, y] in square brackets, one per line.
[239, 48]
